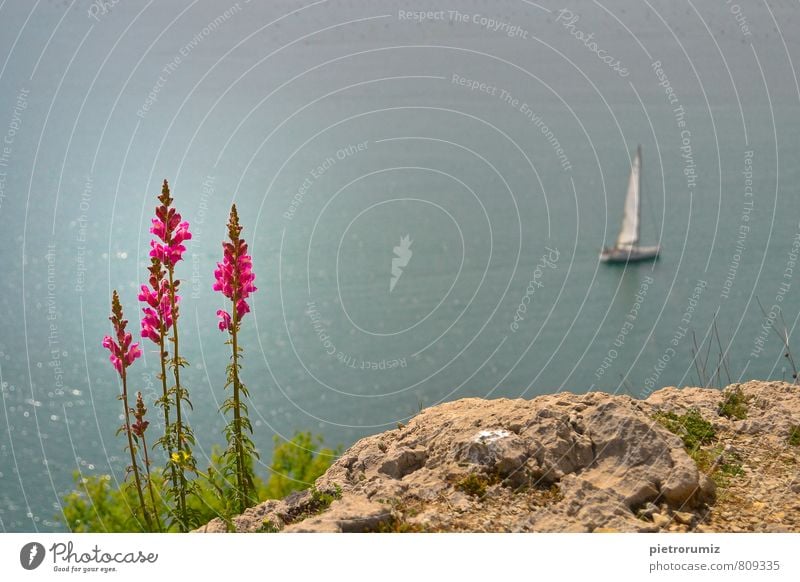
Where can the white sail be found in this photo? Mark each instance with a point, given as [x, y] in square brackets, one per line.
[629, 232]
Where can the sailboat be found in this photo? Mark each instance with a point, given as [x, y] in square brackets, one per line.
[627, 248]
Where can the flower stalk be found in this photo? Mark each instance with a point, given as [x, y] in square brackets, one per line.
[234, 278]
[139, 427]
[123, 354]
[156, 322]
[166, 250]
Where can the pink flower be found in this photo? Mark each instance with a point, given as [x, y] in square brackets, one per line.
[123, 351]
[151, 324]
[234, 276]
[158, 315]
[224, 319]
[114, 349]
[169, 230]
[133, 353]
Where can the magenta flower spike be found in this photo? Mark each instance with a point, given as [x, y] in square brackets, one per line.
[157, 319]
[160, 325]
[123, 354]
[123, 351]
[170, 231]
[234, 276]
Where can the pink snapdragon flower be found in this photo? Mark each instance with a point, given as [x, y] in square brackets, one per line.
[157, 317]
[170, 231]
[234, 276]
[123, 351]
[224, 319]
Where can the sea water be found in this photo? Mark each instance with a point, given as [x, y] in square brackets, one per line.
[425, 190]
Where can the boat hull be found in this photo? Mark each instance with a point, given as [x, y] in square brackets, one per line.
[629, 255]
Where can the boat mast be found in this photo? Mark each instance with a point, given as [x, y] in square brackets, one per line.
[639, 197]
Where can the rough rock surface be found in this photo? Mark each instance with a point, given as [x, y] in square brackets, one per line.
[561, 462]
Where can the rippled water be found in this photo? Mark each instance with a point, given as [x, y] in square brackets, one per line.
[494, 137]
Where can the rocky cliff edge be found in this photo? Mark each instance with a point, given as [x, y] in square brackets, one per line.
[688, 459]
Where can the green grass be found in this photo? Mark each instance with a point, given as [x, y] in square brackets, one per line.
[399, 525]
[708, 461]
[268, 527]
[318, 502]
[794, 436]
[697, 433]
[734, 405]
[473, 484]
[693, 429]
[321, 500]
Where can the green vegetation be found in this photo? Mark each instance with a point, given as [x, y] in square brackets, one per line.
[268, 527]
[321, 500]
[318, 502]
[473, 484]
[794, 435]
[98, 505]
[693, 429]
[398, 521]
[296, 464]
[718, 465]
[399, 525]
[551, 495]
[734, 405]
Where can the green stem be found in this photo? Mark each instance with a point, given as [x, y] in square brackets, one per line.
[134, 464]
[167, 426]
[241, 481]
[176, 367]
[150, 484]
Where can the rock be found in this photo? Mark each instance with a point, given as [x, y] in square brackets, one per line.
[499, 450]
[251, 520]
[352, 514]
[648, 510]
[660, 520]
[563, 462]
[400, 463]
[683, 517]
[590, 506]
[680, 400]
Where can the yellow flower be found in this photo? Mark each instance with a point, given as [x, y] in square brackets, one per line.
[181, 457]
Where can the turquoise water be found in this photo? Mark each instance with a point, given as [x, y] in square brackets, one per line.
[495, 136]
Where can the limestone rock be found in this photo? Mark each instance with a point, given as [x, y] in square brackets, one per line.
[352, 514]
[560, 462]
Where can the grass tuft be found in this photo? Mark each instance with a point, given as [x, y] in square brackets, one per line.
[794, 436]
[734, 405]
[693, 429]
[473, 484]
[268, 527]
